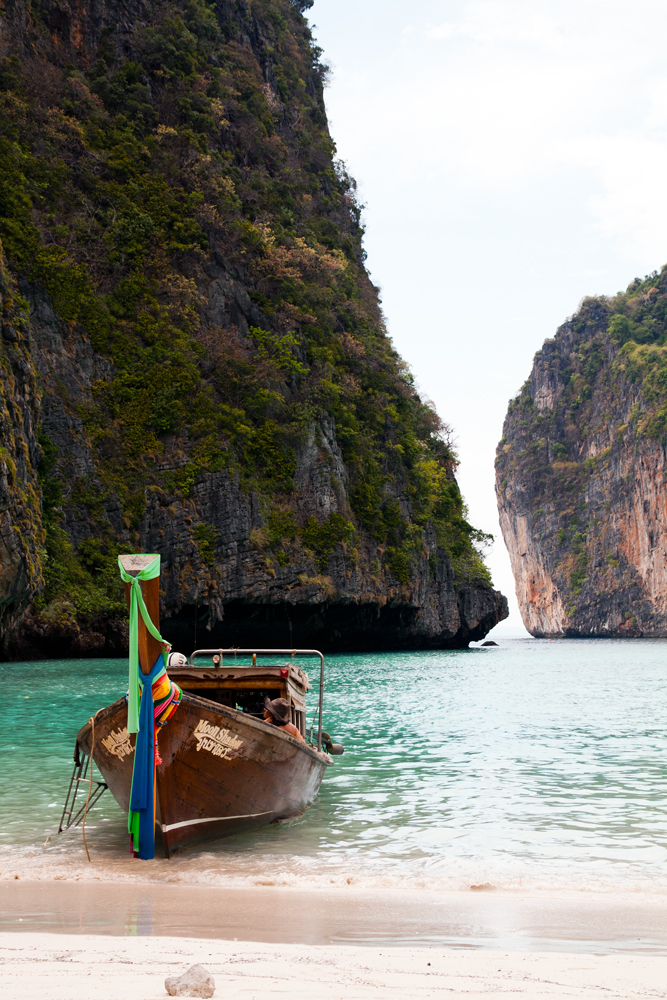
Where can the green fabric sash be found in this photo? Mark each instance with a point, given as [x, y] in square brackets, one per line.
[137, 606]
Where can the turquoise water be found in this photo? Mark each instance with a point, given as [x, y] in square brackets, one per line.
[535, 765]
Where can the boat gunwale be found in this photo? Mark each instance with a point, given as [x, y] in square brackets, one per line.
[254, 723]
[319, 755]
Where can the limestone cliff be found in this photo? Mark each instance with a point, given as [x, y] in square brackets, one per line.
[194, 360]
[21, 533]
[580, 472]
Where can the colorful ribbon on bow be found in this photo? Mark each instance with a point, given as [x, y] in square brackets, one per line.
[141, 715]
[141, 819]
[138, 606]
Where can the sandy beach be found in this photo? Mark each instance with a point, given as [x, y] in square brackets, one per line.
[72, 940]
[74, 967]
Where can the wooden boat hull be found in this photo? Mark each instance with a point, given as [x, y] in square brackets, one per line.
[222, 772]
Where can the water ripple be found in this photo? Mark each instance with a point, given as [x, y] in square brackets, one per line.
[533, 764]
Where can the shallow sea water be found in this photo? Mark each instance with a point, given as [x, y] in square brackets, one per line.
[536, 765]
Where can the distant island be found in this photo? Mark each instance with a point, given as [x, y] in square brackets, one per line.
[581, 472]
[193, 357]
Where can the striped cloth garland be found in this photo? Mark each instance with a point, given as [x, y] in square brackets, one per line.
[166, 698]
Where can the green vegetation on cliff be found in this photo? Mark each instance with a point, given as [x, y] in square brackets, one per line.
[595, 403]
[126, 169]
[612, 341]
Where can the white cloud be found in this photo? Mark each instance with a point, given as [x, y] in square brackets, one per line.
[514, 93]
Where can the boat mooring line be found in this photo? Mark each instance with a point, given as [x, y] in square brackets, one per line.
[211, 819]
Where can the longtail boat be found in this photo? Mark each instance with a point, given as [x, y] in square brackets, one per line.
[188, 753]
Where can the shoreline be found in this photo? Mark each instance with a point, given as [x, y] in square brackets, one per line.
[111, 863]
[521, 922]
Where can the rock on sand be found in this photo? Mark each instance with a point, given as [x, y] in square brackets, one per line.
[196, 982]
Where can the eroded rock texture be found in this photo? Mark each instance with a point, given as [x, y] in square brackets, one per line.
[21, 532]
[580, 473]
[194, 360]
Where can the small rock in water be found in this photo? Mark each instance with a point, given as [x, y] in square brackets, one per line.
[489, 642]
[483, 887]
[196, 982]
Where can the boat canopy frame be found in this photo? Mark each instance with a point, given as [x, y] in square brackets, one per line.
[273, 652]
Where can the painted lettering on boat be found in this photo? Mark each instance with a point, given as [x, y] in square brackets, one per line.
[118, 743]
[220, 742]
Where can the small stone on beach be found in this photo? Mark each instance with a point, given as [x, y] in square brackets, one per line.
[196, 982]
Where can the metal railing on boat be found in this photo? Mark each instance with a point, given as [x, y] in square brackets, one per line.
[273, 652]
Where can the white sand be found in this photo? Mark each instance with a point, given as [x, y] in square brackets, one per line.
[85, 967]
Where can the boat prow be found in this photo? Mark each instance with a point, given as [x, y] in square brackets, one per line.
[223, 770]
[198, 749]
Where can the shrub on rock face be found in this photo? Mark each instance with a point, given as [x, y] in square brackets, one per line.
[199, 307]
[580, 471]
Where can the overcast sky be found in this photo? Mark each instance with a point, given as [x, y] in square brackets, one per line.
[512, 156]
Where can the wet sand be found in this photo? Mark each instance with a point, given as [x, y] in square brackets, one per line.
[82, 967]
[284, 915]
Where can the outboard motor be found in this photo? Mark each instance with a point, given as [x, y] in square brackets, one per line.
[335, 749]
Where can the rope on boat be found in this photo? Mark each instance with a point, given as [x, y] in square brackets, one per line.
[91, 720]
[312, 725]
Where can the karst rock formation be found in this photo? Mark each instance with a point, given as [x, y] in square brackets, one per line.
[193, 358]
[581, 472]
